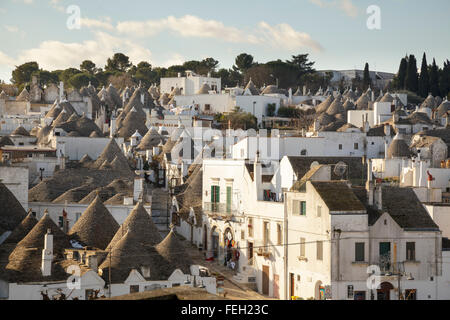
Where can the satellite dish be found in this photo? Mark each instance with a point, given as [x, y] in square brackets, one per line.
[340, 169]
[314, 164]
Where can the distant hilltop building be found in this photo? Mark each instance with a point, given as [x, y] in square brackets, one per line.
[190, 84]
[379, 79]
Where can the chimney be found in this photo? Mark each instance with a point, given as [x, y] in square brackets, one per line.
[138, 188]
[61, 91]
[386, 148]
[47, 255]
[369, 183]
[379, 197]
[257, 178]
[92, 262]
[366, 123]
[387, 130]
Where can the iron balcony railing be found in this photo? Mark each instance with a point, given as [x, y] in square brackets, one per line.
[221, 208]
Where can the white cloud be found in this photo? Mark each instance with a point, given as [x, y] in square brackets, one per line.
[97, 24]
[347, 6]
[53, 55]
[175, 59]
[12, 29]
[282, 35]
[56, 4]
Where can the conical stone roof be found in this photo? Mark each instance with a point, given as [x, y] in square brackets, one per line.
[96, 226]
[22, 229]
[141, 221]
[11, 211]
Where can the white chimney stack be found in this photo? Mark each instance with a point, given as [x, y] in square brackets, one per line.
[138, 188]
[47, 255]
[61, 91]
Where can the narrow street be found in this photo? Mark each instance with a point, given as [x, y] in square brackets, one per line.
[232, 290]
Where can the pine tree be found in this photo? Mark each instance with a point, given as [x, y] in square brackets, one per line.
[434, 79]
[412, 78]
[367, 81]
[424, 79]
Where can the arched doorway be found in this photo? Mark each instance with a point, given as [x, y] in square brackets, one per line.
[229, 244]
[319, 292]
[384, 293]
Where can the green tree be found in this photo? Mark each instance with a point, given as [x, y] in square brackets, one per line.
[444, 79]
[302, 65]
[22, 74]
[399, 80]
[88, 66]
[434, 79]
[243, 62]
[118, 63]
[367, 81]
[412, 78]
[80, 80]
[67, 74]
[424, 78]
[46, 77]
[144, 73]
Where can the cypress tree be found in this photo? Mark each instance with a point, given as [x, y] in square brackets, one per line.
[444, 79]
[401, 75]
[412, 78]
[424, 79]
[434, 79]
[367, 81]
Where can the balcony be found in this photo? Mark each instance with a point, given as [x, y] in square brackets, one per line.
[219, 208]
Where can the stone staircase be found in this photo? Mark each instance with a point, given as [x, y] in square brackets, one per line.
[247, 277]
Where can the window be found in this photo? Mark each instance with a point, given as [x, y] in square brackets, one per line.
[207, 107]
[215, 197]
[77, 216]
[61, 221]
[319, 250]
[356, 146]
[303, 152]
[279, 234]
[302, 247]
[340, 147]
[359, 251]
[303, 208]
[319, 211]
[350, 292]
[410, 251]
[250, 227]
[33, 214]
[299, 208]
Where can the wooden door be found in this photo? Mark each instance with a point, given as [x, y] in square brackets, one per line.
[291, 285]
[265, 280]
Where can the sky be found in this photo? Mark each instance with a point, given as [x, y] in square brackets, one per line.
[334, 32]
